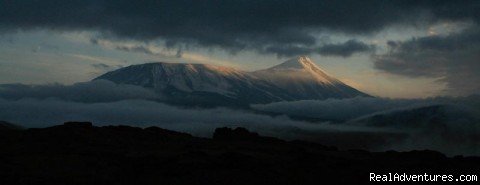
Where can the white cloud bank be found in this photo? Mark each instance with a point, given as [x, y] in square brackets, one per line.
[447, 129]
[89, 92]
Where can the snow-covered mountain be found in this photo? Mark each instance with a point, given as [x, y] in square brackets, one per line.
[302, 79]
[202, 84]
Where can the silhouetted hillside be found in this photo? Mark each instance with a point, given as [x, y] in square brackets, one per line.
[80, 153]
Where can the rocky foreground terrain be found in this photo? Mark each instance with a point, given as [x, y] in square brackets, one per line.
[79, 153]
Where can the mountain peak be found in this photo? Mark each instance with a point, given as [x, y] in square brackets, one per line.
[303, 63]
[300, 62]
[304, 59]
[300, 68]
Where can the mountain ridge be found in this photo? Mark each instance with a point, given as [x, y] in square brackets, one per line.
[295, 79]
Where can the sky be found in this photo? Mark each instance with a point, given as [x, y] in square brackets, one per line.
[395, 49]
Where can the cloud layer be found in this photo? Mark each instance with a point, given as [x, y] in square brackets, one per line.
[453, 58]
[345, 49]
[88, 92]
[344, 110]
[337, 109]
[232, 25]
[201, 122]
[105, 103]
[435, 123]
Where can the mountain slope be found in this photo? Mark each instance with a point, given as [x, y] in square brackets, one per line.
[201, 84]
[197, 83]
[302, 79]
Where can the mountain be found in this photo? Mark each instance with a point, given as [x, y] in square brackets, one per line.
[304, 80]
[198, 84]
[202, 84]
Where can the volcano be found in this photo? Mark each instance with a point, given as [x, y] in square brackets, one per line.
[202, 84]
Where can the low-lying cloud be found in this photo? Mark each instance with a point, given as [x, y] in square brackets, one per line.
[88, 92]
[44, 106]
[338, 109]
[436, 123]
[201, 122]
[449, 128]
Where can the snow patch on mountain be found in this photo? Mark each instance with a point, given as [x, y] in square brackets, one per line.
[296, 79]
[304, 78]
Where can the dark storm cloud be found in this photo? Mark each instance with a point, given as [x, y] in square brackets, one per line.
[345, 49]
[232, 25]
[454, 59]
[287, 50]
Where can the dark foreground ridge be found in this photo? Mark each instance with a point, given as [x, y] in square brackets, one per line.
[79, 153]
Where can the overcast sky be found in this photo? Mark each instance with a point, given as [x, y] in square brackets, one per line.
[397, 48]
